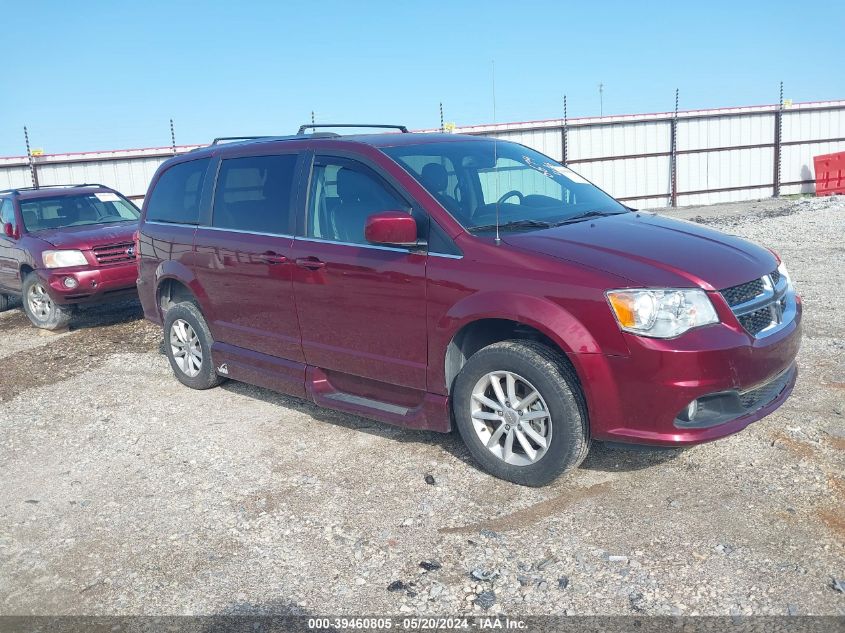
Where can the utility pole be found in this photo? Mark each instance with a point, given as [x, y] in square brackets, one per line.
[172, 138]
[33, 172]
[601, 99]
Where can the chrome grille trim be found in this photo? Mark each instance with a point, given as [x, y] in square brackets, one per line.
[113, 253]
[766, 312]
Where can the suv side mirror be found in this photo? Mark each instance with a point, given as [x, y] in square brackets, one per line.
[9, 230]
[391, 227]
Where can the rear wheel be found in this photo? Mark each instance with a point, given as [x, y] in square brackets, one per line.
[188, 342]
[42, 311]
[4, 302]
[520, 411]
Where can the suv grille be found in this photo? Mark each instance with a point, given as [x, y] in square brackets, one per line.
[743, 292]
[114, 253]
[759, 304]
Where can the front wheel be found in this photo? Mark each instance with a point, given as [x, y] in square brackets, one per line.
[188, 342]
[520, 411]
[4, 302]
[42, 311]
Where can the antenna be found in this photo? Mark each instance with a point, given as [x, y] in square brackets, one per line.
[495, 156]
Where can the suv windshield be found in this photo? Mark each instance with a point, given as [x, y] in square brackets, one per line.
[480, 180]
[103, 207]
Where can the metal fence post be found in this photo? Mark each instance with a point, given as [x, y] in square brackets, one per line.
[673, 158]
[563, 132]
[33, 171]
[777, 156]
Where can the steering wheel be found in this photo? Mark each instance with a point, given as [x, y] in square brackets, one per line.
[510, 194]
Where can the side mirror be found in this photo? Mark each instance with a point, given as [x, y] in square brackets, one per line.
[9, 230]
[397, 228]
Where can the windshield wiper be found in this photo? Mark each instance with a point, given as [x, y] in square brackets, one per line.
[513, 224]
[583, 216]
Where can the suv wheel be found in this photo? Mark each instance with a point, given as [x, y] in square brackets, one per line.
[42, 311]
[4, 302]
[521, 413]
[188, 342]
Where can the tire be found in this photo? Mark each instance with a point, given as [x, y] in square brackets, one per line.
[558, 415]
[4, 303]
[186, 331]
[42, 311]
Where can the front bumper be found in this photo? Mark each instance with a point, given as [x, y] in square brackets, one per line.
[639, 398]
[93, 284]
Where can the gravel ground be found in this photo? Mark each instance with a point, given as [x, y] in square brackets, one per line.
[125, 493]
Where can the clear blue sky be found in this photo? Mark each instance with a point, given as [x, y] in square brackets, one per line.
[102, 75]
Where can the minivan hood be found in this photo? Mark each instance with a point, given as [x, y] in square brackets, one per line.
[653, 251]
[87, 237]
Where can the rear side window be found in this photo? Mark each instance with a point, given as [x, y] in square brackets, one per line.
[176, 197]
[254, 193]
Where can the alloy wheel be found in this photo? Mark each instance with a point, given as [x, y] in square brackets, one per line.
[40, 304]
[185, 347]
[511, 418]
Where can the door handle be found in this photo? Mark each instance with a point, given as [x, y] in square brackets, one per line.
[272, 258]
[311, 263]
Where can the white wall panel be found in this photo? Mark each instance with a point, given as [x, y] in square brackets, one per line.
[129, 171]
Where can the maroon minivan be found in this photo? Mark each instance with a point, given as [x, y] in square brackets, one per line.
[432, 280]
[65, 245]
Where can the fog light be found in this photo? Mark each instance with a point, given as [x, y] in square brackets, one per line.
[70, 282]
[689, 412]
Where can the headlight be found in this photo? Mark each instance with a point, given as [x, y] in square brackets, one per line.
[63, 259]
[661, 313]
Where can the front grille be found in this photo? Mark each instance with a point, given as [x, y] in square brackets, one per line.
[757, 321]
[743, 292]
[114, 253]
[758, 397]
[759, 304]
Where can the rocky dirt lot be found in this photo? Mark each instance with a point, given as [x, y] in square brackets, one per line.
[123, 492]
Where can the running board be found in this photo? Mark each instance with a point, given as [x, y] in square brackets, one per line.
[361, 401]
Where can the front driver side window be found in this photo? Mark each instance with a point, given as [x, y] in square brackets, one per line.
[343, 195]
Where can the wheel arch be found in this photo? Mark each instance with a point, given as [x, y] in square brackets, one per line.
[481, 322]
[175, 282]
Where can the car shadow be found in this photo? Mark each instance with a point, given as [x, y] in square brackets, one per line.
[613, 458]
[106, 314]
[248, 617]
[600, 458]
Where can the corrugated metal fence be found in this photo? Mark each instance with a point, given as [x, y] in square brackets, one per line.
[718, 155]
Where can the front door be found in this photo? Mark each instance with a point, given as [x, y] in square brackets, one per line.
[243, 256]
[10, 252]
[361, 306]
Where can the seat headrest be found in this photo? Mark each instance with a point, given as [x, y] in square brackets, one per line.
[353, 186]
[434, 177]
[30, 220]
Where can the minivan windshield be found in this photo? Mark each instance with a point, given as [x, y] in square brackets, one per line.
[102, 207]
[482, 181]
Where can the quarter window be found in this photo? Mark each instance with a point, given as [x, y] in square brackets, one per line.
[254, 194]
[176, 197]
[343, 195]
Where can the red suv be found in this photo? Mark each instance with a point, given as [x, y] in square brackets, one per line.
[432, 280]
[65, 245]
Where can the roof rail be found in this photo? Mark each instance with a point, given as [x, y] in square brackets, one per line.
[19, 189]
[313, 126]
[223, 139]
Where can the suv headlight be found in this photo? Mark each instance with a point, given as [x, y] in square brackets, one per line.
[63, 259]
[661, 312]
